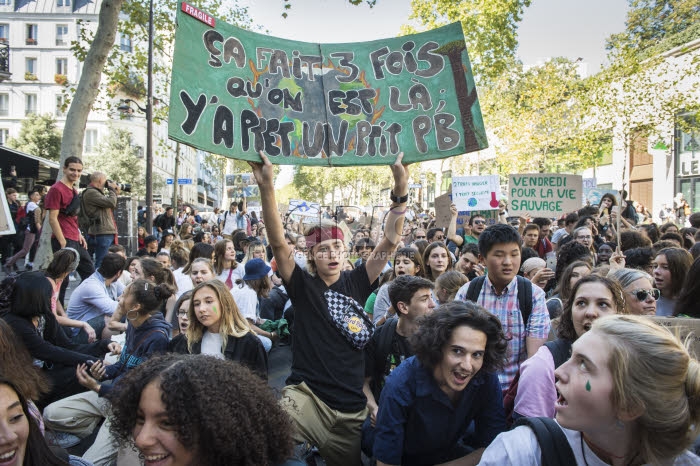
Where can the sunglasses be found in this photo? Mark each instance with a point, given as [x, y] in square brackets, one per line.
[642, 294]
[420, 237]
[479, 222]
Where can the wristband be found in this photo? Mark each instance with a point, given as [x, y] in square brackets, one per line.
[398, 213]
[397, 199]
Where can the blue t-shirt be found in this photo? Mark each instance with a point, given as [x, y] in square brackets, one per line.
[417, 424]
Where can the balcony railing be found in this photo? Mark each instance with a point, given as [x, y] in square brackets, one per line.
[4, 61]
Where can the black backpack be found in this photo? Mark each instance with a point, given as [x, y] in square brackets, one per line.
[524, 294]
[382, 350]
[554, 445]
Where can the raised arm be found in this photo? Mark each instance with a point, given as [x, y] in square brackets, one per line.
[452, 228]
[264, 175]
[393, 226]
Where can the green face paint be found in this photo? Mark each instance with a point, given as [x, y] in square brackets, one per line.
[588, 385]
[217, 312]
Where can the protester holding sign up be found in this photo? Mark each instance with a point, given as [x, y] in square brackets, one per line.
[324, 394]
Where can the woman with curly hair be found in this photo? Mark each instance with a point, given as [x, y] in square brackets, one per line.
[592, 297]
[217, 328]
[194, 394]
[430, 400]
[629, 395]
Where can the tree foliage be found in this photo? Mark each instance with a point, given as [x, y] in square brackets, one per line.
[38, 136]
[342, 186]
[490, 29]
[120, 159]
[538, 121]
[651, 21]
[126, 66]
[287, 4]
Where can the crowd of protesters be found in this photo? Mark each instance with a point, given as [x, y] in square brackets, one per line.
[411, 342]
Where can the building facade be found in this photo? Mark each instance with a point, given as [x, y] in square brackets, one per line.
[35, 41]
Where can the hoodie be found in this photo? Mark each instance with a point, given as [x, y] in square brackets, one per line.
[141, 343]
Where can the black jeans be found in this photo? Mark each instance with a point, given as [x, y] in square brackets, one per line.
[85, 267]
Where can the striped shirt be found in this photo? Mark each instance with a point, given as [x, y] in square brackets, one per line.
[505, 307]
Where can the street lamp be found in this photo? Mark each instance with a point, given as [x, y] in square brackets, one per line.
[124, 107]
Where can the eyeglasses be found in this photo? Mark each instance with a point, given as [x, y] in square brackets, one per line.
[479, 222]
[584, 237]
[642, 294]
[182, 313]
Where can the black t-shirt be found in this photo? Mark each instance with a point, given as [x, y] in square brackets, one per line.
[332, 368]
[379, 366]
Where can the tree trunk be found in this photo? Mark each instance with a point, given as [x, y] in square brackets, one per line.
[84, 98]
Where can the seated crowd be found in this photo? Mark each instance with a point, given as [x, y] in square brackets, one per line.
[411, 345]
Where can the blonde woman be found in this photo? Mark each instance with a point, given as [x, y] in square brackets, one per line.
[629, 394]
[217, 328]
[447, 285]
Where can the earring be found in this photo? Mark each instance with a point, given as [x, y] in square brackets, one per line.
[132, 318]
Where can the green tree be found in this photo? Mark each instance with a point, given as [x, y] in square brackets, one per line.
[490, 29]
[119, 159]
[644, 89]
[538, 120]
[341, 186]
[650, 22]
[38, 136]
[125, 70]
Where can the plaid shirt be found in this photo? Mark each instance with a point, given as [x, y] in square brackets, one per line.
[505, 307]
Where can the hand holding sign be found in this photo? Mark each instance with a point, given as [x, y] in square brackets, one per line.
[263, 171]
[400, 172]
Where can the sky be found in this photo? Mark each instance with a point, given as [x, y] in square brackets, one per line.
[550, 28]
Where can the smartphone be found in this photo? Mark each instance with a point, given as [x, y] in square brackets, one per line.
[551, 260]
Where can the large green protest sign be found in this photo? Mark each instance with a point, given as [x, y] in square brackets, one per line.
[544, 194]
[235, 92]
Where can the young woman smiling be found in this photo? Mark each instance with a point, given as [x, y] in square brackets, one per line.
[193, 410]
[21, 440]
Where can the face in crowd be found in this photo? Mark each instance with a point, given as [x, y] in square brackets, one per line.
[463, 356]
[466, 263]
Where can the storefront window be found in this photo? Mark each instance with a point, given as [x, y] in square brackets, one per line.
[688, 159]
